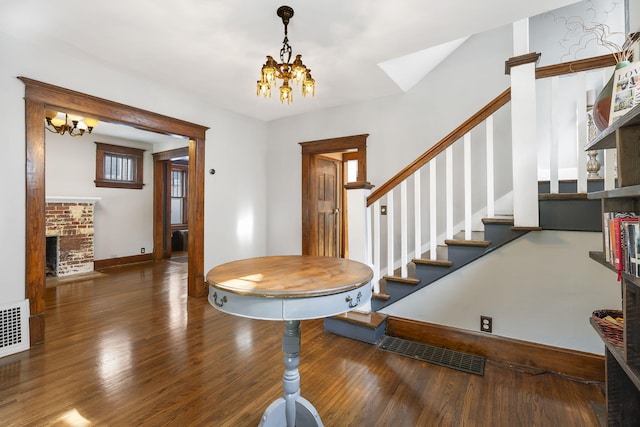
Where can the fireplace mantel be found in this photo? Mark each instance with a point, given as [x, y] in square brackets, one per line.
[72, 199]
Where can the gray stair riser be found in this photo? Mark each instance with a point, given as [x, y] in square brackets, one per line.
[430, 273]
[397, 290]
[499, 234]
[461, 255]
[570, 215]
[355, 331]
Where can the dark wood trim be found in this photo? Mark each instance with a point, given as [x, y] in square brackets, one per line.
[575, 66]
[571, 363]
[135, 154]
[172, 154]
[515, 61]
[196, 277]
[102, 109]
[561, 196]
[441, 145]
[160, 242]
[35, 222]
[310, 150]
[118, 184]
[39, 96]
[100, 264]
[358, 186]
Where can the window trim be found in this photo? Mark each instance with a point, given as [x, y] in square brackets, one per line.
[185, 206]
[136, 154]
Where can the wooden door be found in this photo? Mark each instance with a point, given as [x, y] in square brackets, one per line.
[328, 207]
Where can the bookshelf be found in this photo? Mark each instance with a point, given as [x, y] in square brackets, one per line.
[622, 363]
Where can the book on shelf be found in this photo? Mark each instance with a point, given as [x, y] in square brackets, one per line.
[625, 92]
[631, 243]
[620, 237]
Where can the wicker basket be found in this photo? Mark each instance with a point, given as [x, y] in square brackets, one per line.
[613, 332]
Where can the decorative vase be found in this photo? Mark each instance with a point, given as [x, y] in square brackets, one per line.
[602, 106]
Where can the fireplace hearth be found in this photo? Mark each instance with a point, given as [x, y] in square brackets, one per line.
[69, 230]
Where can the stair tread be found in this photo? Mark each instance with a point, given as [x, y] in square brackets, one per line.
[407, 280]
[516, 228]
[371, 319]
[496, 220]
[561, 196]
[381, 296]
[437, 262]
[478, 243]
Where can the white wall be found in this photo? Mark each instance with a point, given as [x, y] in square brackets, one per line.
[401, 127]
[123, 222]
[550, 36]
[233, 193]
[541, 288]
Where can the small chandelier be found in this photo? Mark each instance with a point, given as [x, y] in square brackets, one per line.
[285, 70]
[68, 123]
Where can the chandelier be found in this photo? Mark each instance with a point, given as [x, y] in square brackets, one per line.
[285, 70]
[68, 123]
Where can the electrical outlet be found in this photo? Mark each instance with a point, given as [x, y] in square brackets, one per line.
[486, 324]
[141, 250]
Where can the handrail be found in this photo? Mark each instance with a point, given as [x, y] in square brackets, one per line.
[483, 114]
[575, 66]
[440, 146]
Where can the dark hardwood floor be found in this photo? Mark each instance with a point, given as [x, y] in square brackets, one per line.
[131, 349]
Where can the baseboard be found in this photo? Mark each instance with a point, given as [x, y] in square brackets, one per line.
[571, 363]
[99, 264]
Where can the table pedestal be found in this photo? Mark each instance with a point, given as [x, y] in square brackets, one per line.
[291, 409]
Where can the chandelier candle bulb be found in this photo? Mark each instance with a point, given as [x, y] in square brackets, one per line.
[271, 71]
[59, 123]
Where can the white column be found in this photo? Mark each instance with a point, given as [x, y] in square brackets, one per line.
[449, 187]
[404, 230]
[377, 257]
[467, 186]
[523, 128]
[390, 233]
[359, 232]
[554, 140]
[433, 231]
[417, 215]
[491, 211]
[581, 130]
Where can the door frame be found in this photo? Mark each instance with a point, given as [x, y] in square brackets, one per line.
[161, 207]
[310, 150]
[40, 96]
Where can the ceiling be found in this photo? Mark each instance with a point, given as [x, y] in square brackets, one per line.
[213, 49]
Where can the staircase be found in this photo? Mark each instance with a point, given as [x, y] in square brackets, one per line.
[454, 254]
[429, 224]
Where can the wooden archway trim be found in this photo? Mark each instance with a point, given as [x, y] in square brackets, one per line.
[310, 149]
[39, 96]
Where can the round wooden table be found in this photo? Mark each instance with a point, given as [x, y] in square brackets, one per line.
[289, 288]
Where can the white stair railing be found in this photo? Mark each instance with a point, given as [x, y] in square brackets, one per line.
[458, 189]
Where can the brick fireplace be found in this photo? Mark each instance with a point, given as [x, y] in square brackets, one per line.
[69, 230]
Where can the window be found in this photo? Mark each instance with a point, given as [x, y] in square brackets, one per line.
[179, 191]
[350, 160]
[118, 167]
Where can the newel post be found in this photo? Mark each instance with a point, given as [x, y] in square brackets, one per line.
[522, 69]
[359, 232]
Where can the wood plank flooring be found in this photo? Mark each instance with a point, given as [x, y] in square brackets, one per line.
[131, 349]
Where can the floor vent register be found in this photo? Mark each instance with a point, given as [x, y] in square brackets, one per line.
[465, 362]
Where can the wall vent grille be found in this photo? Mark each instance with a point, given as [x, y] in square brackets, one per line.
[14, 328]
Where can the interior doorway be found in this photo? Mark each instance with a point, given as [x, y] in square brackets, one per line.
[317, 221]
[171, 204]
[40, 96]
